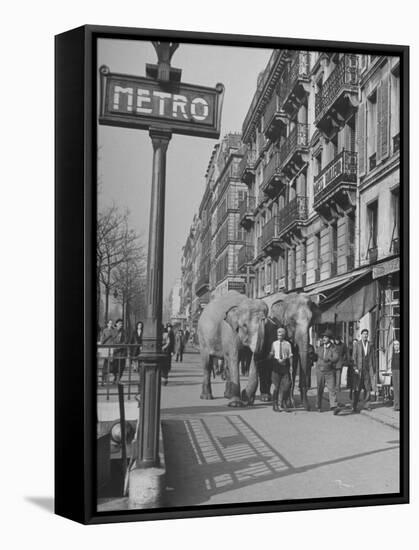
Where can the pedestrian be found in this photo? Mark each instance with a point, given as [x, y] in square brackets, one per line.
[342, 352]
[119, 351]
[106, 338]
[281, 354]
[168, 347]
[364, 371]
[310, 363]
[395, 372]
[326, 358]
[136, 341]
[350, 377]
[179, 345]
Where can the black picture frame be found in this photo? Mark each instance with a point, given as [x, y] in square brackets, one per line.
[75, 204]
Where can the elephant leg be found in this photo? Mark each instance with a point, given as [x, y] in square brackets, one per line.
[233, 366]
[249, 393]
[206, 384]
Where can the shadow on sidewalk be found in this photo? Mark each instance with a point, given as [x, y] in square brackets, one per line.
[215, 454]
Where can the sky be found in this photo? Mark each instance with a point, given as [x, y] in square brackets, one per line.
[125, 155]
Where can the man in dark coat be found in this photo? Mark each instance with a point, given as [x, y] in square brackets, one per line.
[326, 358]
[168, 348]
[363, 371]
[342, 352]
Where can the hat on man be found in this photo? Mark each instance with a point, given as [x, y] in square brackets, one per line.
[328, 333]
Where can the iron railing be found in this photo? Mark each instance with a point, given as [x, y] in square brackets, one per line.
[294, 212]
[297, 139]
[118, 363]
[344, 75]
[342, 168]
[299, 69]
[247, 206]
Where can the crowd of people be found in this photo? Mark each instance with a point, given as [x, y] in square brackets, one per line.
[330, 358]
[123, 346]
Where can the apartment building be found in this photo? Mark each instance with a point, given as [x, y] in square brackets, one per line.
[322, 173]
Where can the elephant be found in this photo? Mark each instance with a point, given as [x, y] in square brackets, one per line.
[294, 312]
[228, 324]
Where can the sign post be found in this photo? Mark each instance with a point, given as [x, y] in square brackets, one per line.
[163, 105]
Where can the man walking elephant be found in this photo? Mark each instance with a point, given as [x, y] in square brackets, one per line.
[281, 353]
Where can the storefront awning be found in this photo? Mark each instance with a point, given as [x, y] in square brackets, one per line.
[353, 300]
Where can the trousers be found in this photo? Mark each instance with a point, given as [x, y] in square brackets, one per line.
[264, 368]
[326, 378]
[282, 382]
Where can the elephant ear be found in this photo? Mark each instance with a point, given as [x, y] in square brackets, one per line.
[232, 318]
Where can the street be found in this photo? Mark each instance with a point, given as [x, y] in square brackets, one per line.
[215, 454]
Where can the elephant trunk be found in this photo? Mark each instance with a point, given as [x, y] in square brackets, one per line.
[260, 337]
[302, 341]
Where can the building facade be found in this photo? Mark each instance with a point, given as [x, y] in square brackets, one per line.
[321, 167]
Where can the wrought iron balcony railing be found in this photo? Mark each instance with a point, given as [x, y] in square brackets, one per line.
[342, 169]
[245, 256]
[272, 177]
[345, 76]
[296, 141]
[294, 213]
[298, 71]
[246, 169]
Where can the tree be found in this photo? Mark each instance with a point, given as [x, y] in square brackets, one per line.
[117, 250]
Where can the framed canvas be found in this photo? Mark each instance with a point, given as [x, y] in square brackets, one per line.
[231, 261]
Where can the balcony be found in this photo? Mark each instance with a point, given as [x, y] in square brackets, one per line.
[335, 186]
[245, 256]
[272, 176]
[275, 118]
[270, 239]
[338, 97]
[246, 169]
[296, 84]
[293, 153]
[203, 280]
[291, 218]
[262, 144]
[246, 211]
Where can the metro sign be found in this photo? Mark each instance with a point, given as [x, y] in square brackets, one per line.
[140, 102]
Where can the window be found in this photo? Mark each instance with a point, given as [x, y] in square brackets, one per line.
[395, 213]
[372, 130]
[395, 110]
[318, 164]
[333, 248]
[350, 242]
[372, 216]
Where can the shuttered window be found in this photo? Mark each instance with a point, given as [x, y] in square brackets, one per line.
[361, 140]
[383, 104]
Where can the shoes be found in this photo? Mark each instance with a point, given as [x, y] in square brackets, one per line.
[367, 408]
[337, 410]
[355, 411]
